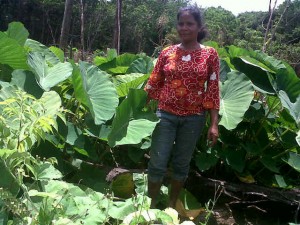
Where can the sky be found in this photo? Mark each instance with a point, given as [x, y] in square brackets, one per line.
[238, 6]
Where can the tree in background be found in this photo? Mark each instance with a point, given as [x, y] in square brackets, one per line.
[149, 25]
[66, 24]
[221, 25]
[117, 29]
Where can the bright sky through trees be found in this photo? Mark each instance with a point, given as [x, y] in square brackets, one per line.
[238, 6]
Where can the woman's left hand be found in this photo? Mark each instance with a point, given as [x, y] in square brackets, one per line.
[212, 135]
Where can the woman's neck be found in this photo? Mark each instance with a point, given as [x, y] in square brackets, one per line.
[190, 46]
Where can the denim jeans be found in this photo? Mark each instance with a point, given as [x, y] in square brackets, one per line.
[174, 139]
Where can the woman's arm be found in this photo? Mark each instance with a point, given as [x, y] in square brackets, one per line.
[213, 131]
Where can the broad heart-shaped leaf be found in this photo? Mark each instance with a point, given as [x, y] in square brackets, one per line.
[293, 108]
[126, 59]
[293, 159]
[236, 96]
[12, 53]
[35, 46]
[141, 65]
[48, 76]
[236, 159]
[25, 80]
[287, 80]
[224, 69]
[205, 161]
[94, 89]
[131, 124]
[111, 54]
[51, 102]
[17, 31]
[246, 62]
[125, 82]
[46, 171]
[98, 60]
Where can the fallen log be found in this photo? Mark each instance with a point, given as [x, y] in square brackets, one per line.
[242, 192]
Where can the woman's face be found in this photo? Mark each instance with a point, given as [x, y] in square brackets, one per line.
[187, 28]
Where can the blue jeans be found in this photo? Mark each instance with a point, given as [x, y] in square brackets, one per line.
[174, 138]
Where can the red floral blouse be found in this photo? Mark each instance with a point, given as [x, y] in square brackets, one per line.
[185, 82]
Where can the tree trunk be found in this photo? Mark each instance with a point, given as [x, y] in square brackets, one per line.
[65, 27]
[266, 40]
[82, 28]
[116, 41]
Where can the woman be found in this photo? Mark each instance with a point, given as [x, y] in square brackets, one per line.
[185, 81]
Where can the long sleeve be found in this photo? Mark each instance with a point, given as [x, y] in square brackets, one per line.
[157, 79]
[212, 94]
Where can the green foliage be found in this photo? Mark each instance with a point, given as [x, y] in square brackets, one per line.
[264, 136]
[26, 120]
[94, 90]
[131, 123]
[236, 96]
[95, 117]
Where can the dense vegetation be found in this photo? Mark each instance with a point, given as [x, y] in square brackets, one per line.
[149, 24]
[66, 124]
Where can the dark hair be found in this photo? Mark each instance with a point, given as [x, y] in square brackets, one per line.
[195, 12]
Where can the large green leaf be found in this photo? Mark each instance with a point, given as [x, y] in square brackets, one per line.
[51, 103]
[236, 96]
[205, 161]
[94, 89]
[26, 80]
[12, 53]
[236, 159]
[287, 80]
[17, 31]
[141, 65]
[37, 47]
[46, 171]
[126, 59]
[293, 159]
[298, 138]
[269, 163]
[125, 82]
[293, 108]
[247, 63]
[48, 76]
[131, 124]
[98, 60]
[98, 131]
[119, 210]
[111, 54]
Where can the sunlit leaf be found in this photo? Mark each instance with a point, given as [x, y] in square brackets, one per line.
[293, 108]
[94, 89]
[11, 53]
[131, 124]
[236, 96]
[48, 76]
